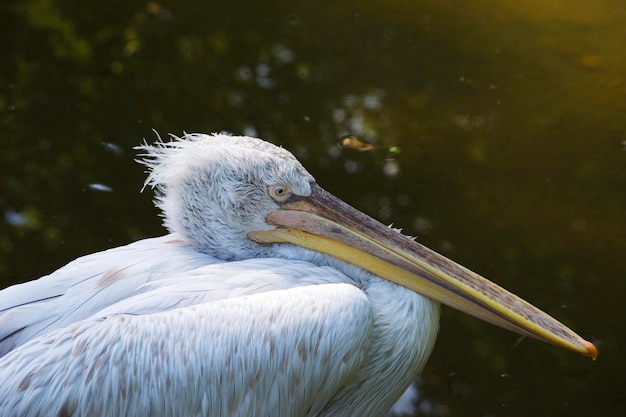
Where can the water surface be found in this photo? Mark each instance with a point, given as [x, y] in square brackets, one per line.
[498, 132]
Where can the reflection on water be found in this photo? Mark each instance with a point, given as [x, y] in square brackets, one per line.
[508, 119]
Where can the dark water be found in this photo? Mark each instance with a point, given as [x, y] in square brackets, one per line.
[500, 133]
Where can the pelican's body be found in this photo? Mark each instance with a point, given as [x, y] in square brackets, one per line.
[236, 312]
[136, 300]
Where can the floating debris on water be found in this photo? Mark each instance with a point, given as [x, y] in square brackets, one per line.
[100, 187]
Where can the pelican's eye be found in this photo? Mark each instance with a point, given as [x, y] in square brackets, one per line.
[279, 192]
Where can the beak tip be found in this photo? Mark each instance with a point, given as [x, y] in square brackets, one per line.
[592, 351]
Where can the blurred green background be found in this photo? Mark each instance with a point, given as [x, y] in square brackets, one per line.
[499, 133]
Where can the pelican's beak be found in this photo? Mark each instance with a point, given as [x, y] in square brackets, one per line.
[324, 223]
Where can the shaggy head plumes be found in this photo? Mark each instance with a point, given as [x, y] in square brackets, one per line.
[213, 189]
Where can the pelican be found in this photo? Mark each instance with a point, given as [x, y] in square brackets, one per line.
[268, 297]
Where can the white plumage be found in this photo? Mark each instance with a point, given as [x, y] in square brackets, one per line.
[223, 318]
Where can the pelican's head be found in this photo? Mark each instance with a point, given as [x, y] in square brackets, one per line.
[215, 189]
[240, 197]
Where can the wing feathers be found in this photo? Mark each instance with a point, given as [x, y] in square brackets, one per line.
[285, 351]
